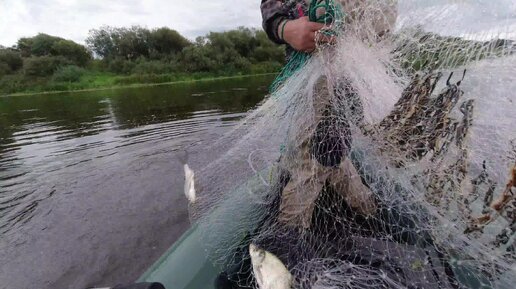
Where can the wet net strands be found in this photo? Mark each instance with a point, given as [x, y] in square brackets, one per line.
[385, 160]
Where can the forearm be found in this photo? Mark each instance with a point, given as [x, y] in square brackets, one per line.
[273, 14]
[285, 25]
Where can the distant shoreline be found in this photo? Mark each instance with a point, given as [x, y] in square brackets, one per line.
[134, 85]
[133, 57]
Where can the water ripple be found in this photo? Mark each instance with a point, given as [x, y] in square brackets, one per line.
[47, 147]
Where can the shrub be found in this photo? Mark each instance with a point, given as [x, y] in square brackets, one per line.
[241, 64]
[266, 53]
[4, 69]
[266, 67]
[12, 83]
[119, 65]
[166, 41]
[98, 65]
[47, 45]
[70, 73]
[197, 58]
[11, 58]
[43, 65]
[72, 51]
[41, 44]
[152, 67]
[56, 86]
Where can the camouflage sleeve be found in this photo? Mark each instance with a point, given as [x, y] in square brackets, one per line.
[273, 12]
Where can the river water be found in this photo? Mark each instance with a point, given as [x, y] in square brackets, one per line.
[91, 189]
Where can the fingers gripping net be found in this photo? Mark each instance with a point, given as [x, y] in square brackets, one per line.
[326, 12]
[373, 166]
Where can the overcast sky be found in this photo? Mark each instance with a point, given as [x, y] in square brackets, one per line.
[72, 19]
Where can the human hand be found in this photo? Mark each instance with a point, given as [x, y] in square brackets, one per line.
[301, 34]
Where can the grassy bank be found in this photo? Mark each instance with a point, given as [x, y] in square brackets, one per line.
[133, 56]
[100, 81]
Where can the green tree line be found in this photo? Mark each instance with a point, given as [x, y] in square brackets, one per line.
[126, 55]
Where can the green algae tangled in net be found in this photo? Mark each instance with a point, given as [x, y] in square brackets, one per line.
[387, 160]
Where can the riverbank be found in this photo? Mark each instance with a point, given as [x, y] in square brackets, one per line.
[103, 81]
[133, 56]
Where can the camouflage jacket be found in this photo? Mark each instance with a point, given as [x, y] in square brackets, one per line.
[275, 11]
[382, 17]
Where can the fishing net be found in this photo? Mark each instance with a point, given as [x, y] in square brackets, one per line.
[385, 160]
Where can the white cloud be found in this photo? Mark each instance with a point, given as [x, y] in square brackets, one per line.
[72, 19]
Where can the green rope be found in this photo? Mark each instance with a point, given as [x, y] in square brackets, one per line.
[333, 15]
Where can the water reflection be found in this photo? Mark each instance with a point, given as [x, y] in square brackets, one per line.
[49, 141]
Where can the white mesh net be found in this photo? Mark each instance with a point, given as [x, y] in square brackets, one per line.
[374, 166]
